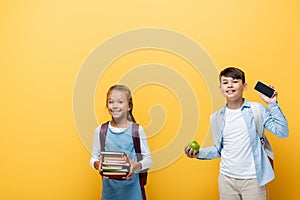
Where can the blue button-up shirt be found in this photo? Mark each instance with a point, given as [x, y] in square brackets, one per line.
[273, 120]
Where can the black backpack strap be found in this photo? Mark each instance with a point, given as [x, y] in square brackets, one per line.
[103, 132]
[137, 146]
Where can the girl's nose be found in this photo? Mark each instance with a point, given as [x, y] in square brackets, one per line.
[114, 105]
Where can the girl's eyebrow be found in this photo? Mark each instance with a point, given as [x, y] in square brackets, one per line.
[111, 99]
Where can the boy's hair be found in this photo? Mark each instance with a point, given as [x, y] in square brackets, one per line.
[126, 90]
[234, 73]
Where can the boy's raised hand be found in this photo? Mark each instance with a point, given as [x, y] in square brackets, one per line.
[268, 100]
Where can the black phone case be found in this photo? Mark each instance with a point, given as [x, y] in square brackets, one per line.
[264, 89]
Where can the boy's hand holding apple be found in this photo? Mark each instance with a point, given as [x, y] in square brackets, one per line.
[192, 149]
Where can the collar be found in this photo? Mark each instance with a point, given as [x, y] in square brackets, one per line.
[246, 104]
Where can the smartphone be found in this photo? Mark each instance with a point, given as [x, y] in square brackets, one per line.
[264, 89]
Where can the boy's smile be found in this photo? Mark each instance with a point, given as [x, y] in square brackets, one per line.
[231, 88]
[230, 91]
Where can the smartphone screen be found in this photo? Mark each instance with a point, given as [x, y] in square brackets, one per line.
[264, 89]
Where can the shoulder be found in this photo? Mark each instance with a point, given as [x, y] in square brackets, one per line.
[141, 130]
[97, 129]
[219, 112]
[254, 104]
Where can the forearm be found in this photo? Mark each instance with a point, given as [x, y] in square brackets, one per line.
[95, 157]
[146, 162]
[276, 121]
[208, 153]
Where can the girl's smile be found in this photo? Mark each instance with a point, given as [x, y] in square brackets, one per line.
[118, 105]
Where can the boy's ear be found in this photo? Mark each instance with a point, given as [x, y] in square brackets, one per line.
[245, 86]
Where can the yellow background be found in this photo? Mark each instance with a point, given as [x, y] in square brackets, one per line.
[44, 43]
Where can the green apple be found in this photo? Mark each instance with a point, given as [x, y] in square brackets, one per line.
[194, 145]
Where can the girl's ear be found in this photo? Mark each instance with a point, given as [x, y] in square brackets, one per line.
[129, 107]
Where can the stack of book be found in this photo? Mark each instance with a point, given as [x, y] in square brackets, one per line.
[115, 165]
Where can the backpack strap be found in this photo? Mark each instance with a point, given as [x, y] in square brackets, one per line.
[137, 146]
[103, 132]
[257, 118]
[255, 107]
[136, 141]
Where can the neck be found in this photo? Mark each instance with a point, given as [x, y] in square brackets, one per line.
[235, 104]
[120, 123]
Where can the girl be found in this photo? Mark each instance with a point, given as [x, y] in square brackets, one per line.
[119, 138]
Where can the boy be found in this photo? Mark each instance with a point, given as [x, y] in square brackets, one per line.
[245, 168]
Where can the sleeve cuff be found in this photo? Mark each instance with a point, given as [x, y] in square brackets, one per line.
[273, 105]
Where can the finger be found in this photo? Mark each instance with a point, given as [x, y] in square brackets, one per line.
[195, 153]
[191, 153]
[186, 149]
[188, 152]
[128, 176]
[128, 160]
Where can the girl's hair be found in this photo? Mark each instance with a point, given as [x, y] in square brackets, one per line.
[234, 73]
[127, 92]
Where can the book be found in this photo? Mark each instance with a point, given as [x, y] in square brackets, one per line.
[115, 165]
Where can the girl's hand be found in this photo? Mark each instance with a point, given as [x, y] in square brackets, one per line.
[133, 167]
[98, 165]
[268, 100]
[190, 152]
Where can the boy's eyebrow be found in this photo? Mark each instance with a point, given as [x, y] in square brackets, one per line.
[226, 78]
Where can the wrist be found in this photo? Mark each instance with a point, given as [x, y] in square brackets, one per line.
[138, 166]
[273, 104]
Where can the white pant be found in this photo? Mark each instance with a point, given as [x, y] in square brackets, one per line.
[240, 189]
